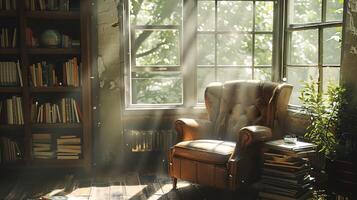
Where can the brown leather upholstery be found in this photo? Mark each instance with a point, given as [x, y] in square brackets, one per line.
[209, 151]
[222, 151]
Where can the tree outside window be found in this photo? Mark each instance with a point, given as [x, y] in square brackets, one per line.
[313, 43]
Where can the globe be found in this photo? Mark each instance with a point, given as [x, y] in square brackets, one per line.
[50, 38]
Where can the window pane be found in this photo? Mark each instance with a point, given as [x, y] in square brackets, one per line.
[234, 49]
[161, 47]
[157, 88]
[331, 75]
[226, 74]
[155, 12]
[235, 15]
[204, 77]
[332, 46]
[205, 49]
[206, 16]
[296, 76]
[263, 74]
[263, 49]
[334, 10]
[304, 47]
[305, 11]
[264, 16]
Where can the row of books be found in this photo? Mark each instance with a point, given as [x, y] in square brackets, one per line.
[9, 150]
[8, 37]
[48, 5]
[67, 110]
[10, 74]
[142, 141]
[44, 74]
[8, 5]
[11, 111]
[286, 171]
[67, 147]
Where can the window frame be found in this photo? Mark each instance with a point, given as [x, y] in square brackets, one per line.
[280, 34]
[320, 27]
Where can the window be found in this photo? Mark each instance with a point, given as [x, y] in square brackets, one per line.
[234, 41]
[175, 48]
[155, 52]
[313, 43]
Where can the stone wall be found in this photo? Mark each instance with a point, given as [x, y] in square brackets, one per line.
[109, 132]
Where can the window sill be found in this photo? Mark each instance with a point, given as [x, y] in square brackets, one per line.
[168, 110]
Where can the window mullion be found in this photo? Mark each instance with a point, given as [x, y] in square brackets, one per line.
[320, 58]
[253, 39]
[215, 40]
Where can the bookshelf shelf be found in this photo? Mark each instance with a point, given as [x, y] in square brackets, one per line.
[8, 13]
[11, 129]
[57, 126]
[10, 90]
[53, 15]
[13, 165]
[54, 51]
[55, 163]
[55, 90]
[9, 51]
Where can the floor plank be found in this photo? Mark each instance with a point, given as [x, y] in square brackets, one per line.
[110, 186]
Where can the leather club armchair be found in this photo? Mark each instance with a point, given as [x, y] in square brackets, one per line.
[224, 151]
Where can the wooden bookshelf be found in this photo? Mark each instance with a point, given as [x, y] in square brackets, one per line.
[78, 20]
[10, 90]
[9, 51]
[53, 15]
[54, 51]
[8, 13]
[56, 90]
[56, 126]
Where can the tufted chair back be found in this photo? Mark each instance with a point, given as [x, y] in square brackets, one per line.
[236, 104]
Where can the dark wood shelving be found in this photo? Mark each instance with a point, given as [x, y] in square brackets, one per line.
[55, 89]
[53, 15]
[10, 90]
[13, 165]
[8, 13]
[57, 126]
[76, 24]
[55, 163]
[53, 51]
[9, 51]
[9, 129]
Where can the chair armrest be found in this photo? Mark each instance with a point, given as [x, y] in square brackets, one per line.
[251, 134]
[191, 129]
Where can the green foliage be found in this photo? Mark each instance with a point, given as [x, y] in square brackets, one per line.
[324, 113]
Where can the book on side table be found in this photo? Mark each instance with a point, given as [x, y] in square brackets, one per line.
[286, 171]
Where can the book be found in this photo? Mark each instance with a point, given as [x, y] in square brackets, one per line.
[271, 196]
[296, 147]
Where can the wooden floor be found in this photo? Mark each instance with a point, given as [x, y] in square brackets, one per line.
[107, 186]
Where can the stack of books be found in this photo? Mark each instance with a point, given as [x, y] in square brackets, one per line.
[286, 171]
[41, 146]
[69, 147]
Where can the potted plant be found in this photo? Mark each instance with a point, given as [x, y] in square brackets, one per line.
[323, 110]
